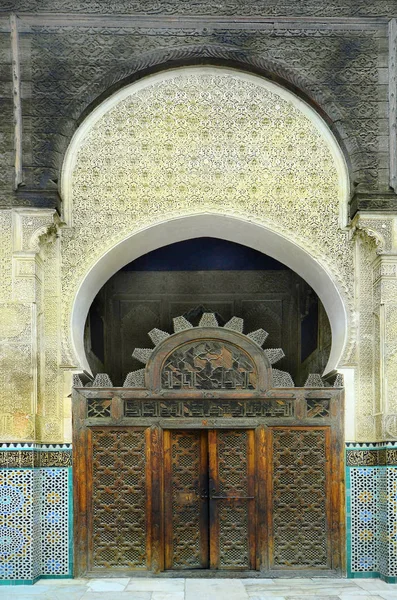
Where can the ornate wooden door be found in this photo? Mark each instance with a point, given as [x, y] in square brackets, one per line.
[209, 506]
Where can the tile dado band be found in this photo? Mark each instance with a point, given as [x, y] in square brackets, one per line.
[35, 512]
[371, 497]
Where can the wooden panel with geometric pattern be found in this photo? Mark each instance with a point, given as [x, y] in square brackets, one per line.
[186, 499]
[299, 498]
[232, 499]
[118, 524]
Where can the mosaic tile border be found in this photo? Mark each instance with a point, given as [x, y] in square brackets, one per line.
[39, 478]
[371, 510]
[33, 446]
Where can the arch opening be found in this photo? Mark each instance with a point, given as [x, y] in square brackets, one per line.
[225, 228]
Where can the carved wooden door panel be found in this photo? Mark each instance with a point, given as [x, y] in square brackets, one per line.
[232, 499]
[209, 504]
[299, 514]
[186, 499]
[118, 483]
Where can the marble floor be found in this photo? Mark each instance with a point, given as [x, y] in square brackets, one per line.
[202, 589]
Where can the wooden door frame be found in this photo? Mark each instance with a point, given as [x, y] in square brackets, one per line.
[297, 403]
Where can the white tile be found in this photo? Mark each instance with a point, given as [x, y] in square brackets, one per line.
[108, 585]
[117, 596]
[156, 585]
[168, 596]
[221, 589]
[35, 590]
[376, 584]
[257, 580]
[264, 597]
[66, 582]
[387, 595]
[366, 596]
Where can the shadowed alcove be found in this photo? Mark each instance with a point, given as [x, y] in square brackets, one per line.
[201, 275]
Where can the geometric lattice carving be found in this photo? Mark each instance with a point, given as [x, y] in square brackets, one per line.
[314, 380]
[135, 379]
[233, 449]
[142, 354]
[157, 335]
[274, 354]
[299, 501]
[208, 320]
[316, 408]
[282, 379]
[98, 407]
[185, 473]
[118, 498]
[208, 365]
[339, 380]
[77, 381]
[235, 324]
[102, 380]
[181, 324]
[259, 336]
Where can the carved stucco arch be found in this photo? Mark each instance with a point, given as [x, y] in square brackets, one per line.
[227, 228]
[105, 236]
[158, 60]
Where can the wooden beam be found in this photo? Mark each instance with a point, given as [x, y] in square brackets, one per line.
[393, 102]
[16, 90]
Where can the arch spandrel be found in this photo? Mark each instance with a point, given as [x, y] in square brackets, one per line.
[204, 143]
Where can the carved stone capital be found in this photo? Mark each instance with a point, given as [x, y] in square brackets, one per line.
[380, 228]
[30, 226]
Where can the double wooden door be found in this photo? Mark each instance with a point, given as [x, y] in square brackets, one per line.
[209, 499]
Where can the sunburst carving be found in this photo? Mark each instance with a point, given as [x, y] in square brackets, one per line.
[208, 319]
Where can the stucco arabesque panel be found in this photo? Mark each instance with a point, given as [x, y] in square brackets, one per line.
[204, 143]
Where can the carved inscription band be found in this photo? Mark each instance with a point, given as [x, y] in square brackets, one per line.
[371, 458]
[209, 408]
[13, 459]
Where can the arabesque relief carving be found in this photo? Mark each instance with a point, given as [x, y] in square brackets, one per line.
[193, 142]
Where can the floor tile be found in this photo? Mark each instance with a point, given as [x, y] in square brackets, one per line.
[117, 596]
[221, 589]
[312, 597]
[108, 585]
[376, 584]
[257, 581]
[264, 597]
[168, 596]
[64, 582]
[156, 585]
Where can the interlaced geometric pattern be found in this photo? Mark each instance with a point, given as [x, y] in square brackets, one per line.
[98, 407]
[185, 465]
[317, 408]
[392, 520]
[299, 501]
[209, 364]
[16, 520]
[233, 514]
[232, 461]
[54, 522]
[119, 498]
[366, 522]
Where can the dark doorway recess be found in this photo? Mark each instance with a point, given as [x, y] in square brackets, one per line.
[207, 275]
